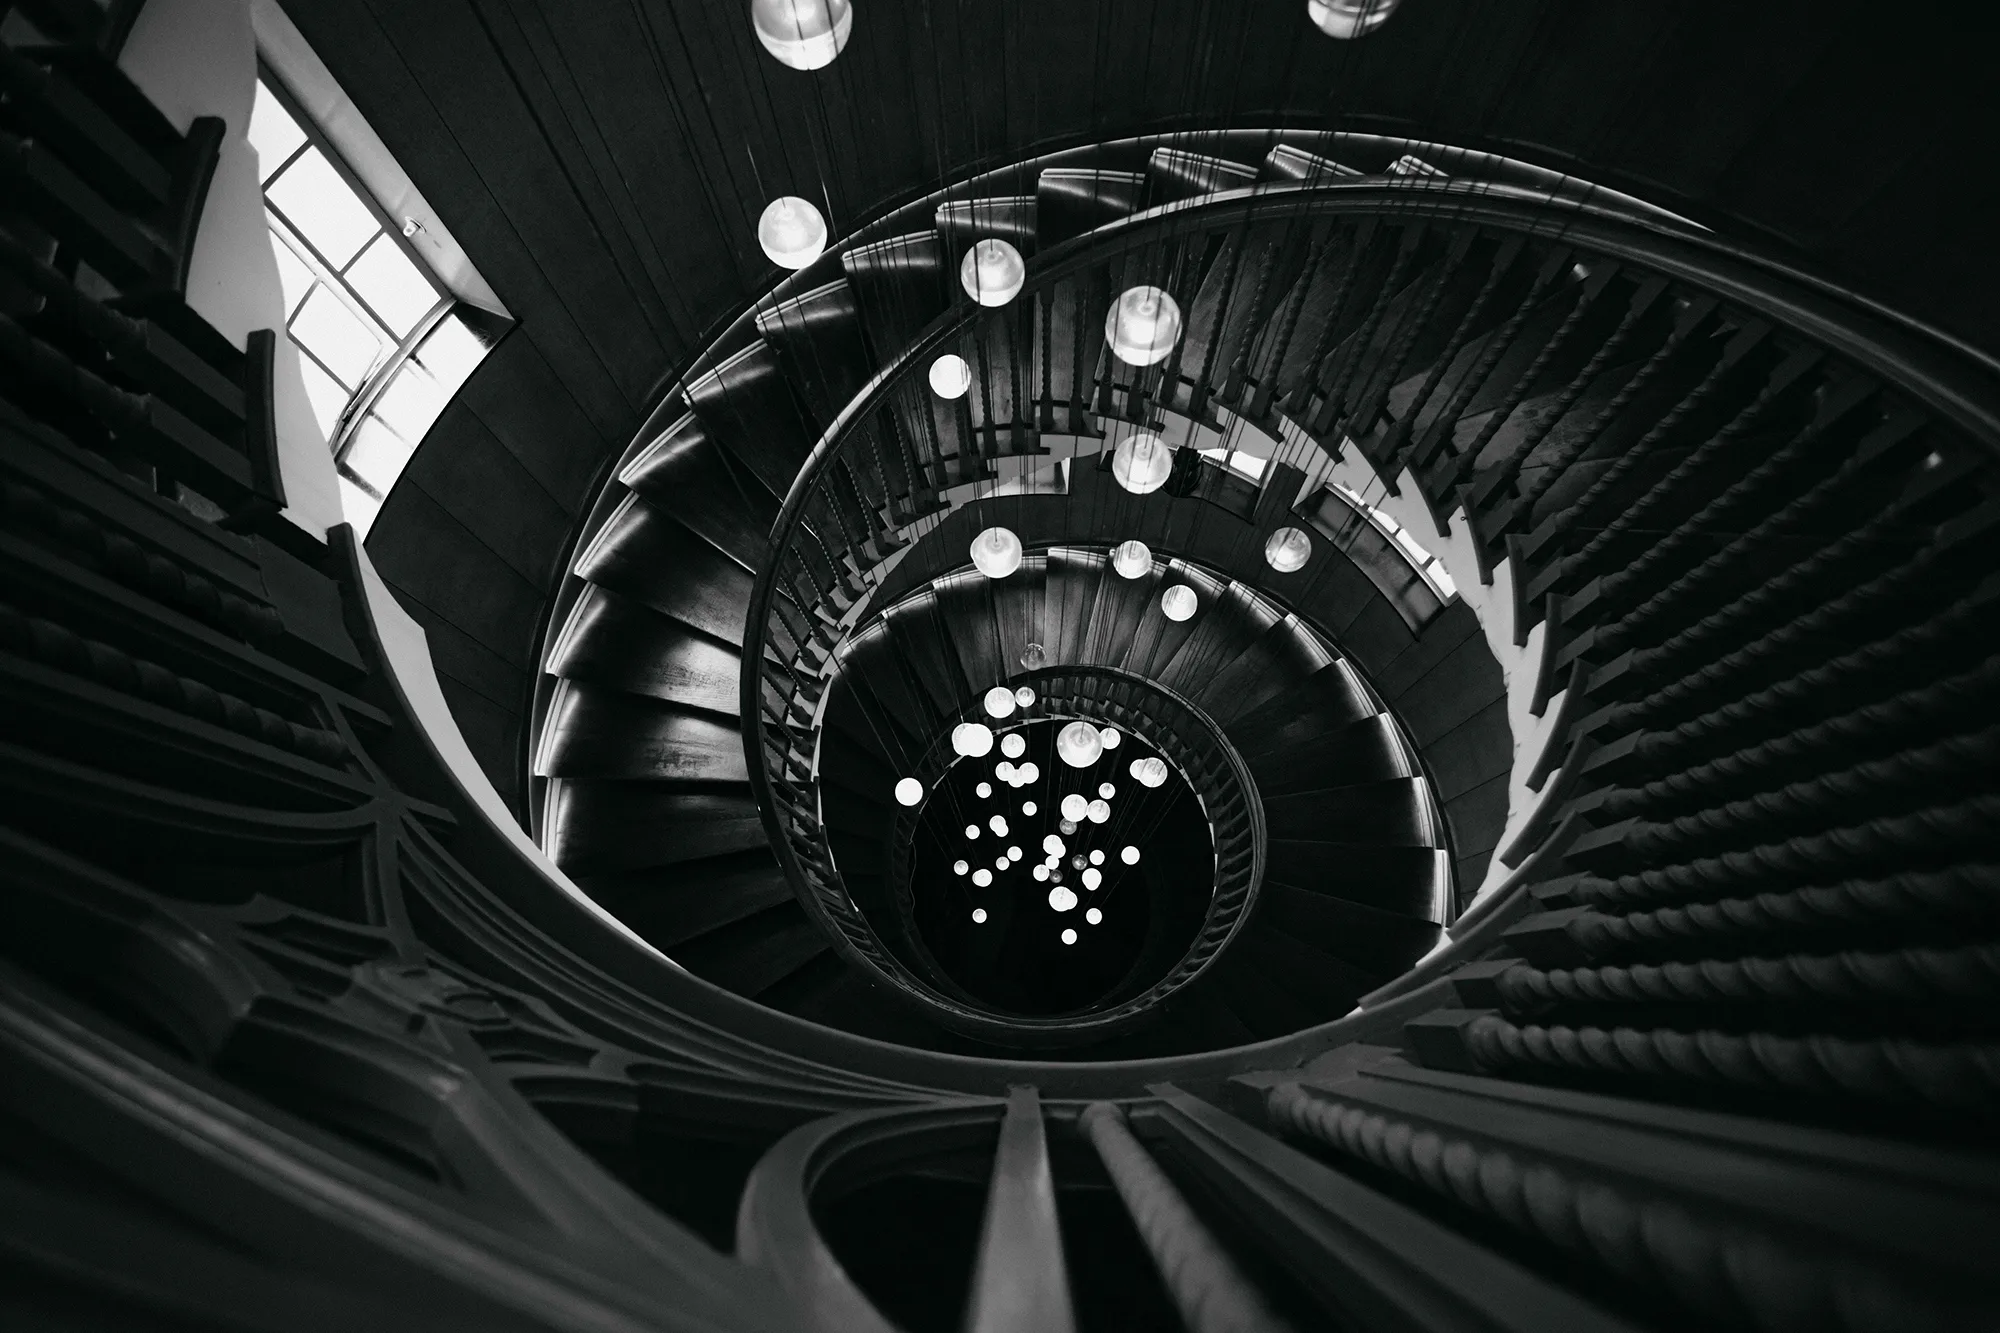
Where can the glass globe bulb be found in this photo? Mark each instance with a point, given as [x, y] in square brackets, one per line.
[1013, 853]
[999, 702]
[1097, 856]
[1130, 856]
[1025, 697]
[1141, 463]
[1178, 602]
[1092, 878]
[1069, 937]
[791, 231]
[982, 877]
[1079, 745]
[1062, 899]
[1132, 559]
[1288, 549]
[1003, 771]
[1098, 811]
[1028, 772]
[1149, 772]
[1012, 745]
[909, 791]
[1075, 806]
[972, 740]
[950, 376]
[972, 830]
[1067, 826]
[804, 34]
[979, 916]
[984, 789]
[1094, 917]
[1143, 325]
[996, 552]
[1034, 657]
[1040, 872]
[992, 272]
[998, 824]
[1052, 845]
[1349, 18]
[959, 867]
[1001, 862]
[1110, 736]
[1027, 807]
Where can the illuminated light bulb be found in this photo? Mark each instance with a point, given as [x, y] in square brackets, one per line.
[909, 791]
[1177, 602]
[1287, 550]
[1067, 826]
[1130, 856]
[982, 877]
[804, 34]
[1092, 878]
[791, 231]
[1052, 845]
[1097, 856]
[1149, 772]
[972, 740]
[1013, 745]
[1075, 806]
[959, 867]
[1079, 745]
[1349, 18]
[1106, 790]
[1062, 899]
[1142, 326]
[1094, 917]
[1004, 771]
[972, 831]
[1110, 736]
[1055, 874]
[1013, 853]
[1034, 657]
[1099, 811]
[992, 272]
[1025, 696]
[1027, 807]
[1078, 862]
[979, 916]
[1132, 559]
[999, 702]
[1001, 862]
[1040, 872]
[1028, 771]
[1141, 463]
[996, 552]
[999, 825]
[984, 789]
[1069, 937]
[950, 376]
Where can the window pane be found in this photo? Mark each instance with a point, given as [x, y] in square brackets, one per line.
[317, 202]
[450, 352]
[330, 331]
[377, 454]
[411, 402]
[273, 133]
[385, 278]
[326, 396]
[293, 275]
[358, 506]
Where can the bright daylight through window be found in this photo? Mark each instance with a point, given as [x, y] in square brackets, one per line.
[383, 345]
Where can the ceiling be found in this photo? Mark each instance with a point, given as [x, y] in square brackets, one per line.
[603, 164]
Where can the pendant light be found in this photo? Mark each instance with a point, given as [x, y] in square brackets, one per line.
[971, 740]
[1349, 18]
[1131, 559]
[996, 552]
[1143, 325]
[1178, 602]
[791, 231]
[804, 34]
[950, 376]
[1288, 550]
[909, 791]
[1079, 745]
[1142, 462]
[992, 272]
[1150, 772]
[999, 702]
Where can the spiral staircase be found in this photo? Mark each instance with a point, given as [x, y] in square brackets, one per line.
[1617, 950]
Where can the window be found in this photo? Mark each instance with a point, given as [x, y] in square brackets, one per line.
[383, 344]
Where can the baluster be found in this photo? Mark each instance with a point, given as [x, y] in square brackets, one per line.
[1211, 1293]
[1300, 399]
[1370, 401]
[1019, 1281]
[1502, 263]
[1331, 412]
[1295, 304]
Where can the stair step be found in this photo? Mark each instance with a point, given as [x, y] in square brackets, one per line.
[655, 559]
[1070, 201]
[611, 641]
[592, 732]
[818, 339]
[900, 285]
[1332, 698]
[1173, 173]
[1393, 879]
[754, 954]
[685, 474]
[1383, 943]
[669, 907]
[1388, 813]
[960, 222]
[747, 405]
[1286, 163]
[606, 825]
[1366, 750]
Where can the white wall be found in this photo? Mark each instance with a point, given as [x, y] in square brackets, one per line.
[199, 58]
